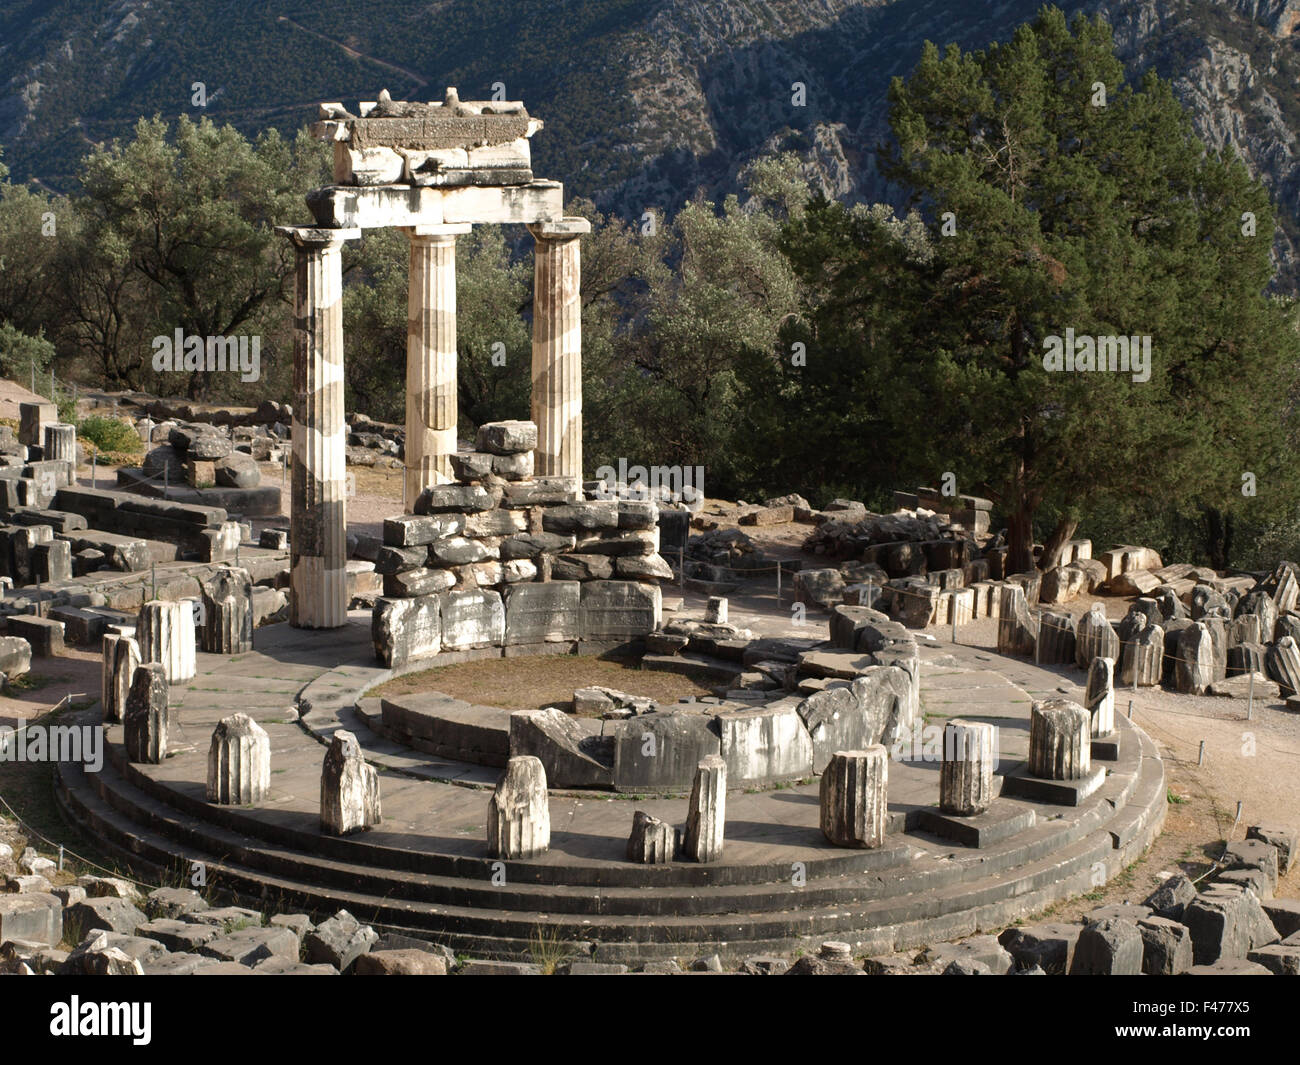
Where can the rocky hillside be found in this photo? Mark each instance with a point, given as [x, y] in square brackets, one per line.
[644, 102]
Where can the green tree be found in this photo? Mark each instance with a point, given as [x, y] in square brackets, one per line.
[175, 231]
[1075, 201]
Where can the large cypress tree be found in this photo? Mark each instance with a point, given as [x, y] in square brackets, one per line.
[1061, 198]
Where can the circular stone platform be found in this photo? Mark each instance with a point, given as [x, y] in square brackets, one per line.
[778, 886]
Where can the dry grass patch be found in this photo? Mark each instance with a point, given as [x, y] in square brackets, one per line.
[545, 680]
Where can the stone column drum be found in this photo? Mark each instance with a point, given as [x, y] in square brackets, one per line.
[854, 797]
[519, 812]
[165, 633]
[239, 762]
[144, 723]
[61, 443]
[557, 346]
[969, 758]
[652, 841]
[431, 409]
[121, 657]
[706, 818]
[318, 597]
[1060, 744]
[1099, 699]
[227, 627]
[349, 788]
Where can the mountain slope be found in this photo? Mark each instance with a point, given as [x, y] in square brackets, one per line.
[644, 102]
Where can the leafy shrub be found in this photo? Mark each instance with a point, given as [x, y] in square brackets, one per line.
[110, 434]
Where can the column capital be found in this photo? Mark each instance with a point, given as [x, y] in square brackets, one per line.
[560, 229]
[318, 236]
[434, 231]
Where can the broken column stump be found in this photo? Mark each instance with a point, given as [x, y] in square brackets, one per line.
[61, 443]
[239, 762]
[1017, 627]
[144, 723]
[966, 776]
[1095, 637]
[349, 788]
[652, 842]
[1060, 745]
[121, 658]
[1100, 698]
[854, 797]
[707, 816]
[165, 633]
[519, 812]
[227, 627]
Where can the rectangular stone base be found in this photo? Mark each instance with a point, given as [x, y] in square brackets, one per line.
[1000, 821]
[1106, 748]
[1019, 784]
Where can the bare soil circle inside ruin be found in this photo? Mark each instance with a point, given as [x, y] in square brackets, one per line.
[530, 683]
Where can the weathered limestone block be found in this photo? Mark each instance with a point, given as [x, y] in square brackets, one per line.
[1142, 652]
[52, 562]
[854, 797]
[764, 744]
[1111, 947]
[1056, 637]
[706, 816]
[660, 752]
[144, 722]
[121, 658]
[1227, 922]
[458, 498]
[403, 630]
[349, 788]
[239, 762]
[32, 420]
[1282, 663]
[519, 812]
[1261, 604]
[619, 610]
[1095, 638]
[1100, 698]
[571, 756]
[1171, 607]
[1245, 628]
[506, 438]
[1284, 596]
[821, 588]
[411, 584]
[583, 519]
[1194, 666]
[1207, 601]
[917, 605]
[969, 758]
[1282, 837]
[472, 618]
[1217, 627]
[1063, 584]
[1166, 947]
[652, 842]
[165, 632]
[1060, 747]
[420, 530]
[1017, 626]
[227, 627]
[543, 613]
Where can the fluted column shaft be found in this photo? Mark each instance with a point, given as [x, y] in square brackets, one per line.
[431, 410]
[318, 538]
[557, 346]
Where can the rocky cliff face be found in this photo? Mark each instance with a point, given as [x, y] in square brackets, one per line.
[676, 94]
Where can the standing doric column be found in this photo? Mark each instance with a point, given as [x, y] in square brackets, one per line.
[318, 595]
[431, 357]
[557, 346]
